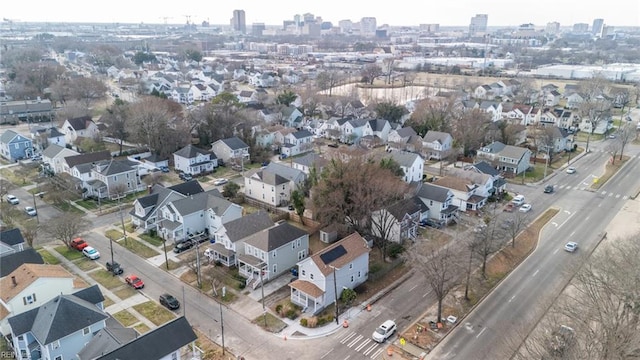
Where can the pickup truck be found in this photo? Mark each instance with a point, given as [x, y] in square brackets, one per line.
[78, 244]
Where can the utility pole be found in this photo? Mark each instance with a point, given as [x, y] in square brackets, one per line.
[546, 163]
[335, 289]
[35, 207]
[222, 326]
[264, 309]
[124, 230]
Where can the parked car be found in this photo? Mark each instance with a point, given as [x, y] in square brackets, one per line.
[518, 200]
[36, 157]
[571, 246]
[114, 268]
[78, 244]
[91, 253]
[185, 177]
[384, 331]
[571, 170]
[436, 224]
[333, 145]
[134, 281]
[548, 189]
[164, 169]
[30, 211]
[525, 208]
[13, 200]
[169, 301]
[509, 207]
[183, 246]
[221, 181]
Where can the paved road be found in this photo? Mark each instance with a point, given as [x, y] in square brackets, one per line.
[497, 325]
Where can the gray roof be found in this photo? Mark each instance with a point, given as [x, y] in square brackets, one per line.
[113, 167]
[495, 147]
[52, 150]
[9, 135]
[160, 194]
[432, 136]
[57, 318]
[487, 104]
[202, 201]
[403, 207]
[157, 343]
[275, 237]
[108, 339]
[284, 171]
[486, 168]
[11, 237]
[79, 123]
[247, 225]
[406, 132]
[378, 124]
[513, 152]
[404, 158]
[271, 178]
[356, 123]
[13, 261]
[191, 151]
[234, 143]
[310, 159]
[433, 192]
[87, 158]
[302, 134]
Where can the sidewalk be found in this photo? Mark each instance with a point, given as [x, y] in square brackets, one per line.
[119, 304]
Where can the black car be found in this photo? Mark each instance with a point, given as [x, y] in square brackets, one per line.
[183, 246]
[432, 223]
[170, 302]
[114, 268]
[548, 189]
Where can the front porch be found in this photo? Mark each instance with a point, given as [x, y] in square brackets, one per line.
[307, 295]
[223, 255]
[255, 270]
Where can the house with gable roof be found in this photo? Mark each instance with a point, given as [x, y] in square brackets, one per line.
[88, 159]
[307, 162]
[145, 213]
[375, 133]
[231, 150]
[11, 241]
[411, 163]
[439, 200]
[79, 127]
[292, 117]
[403, 139]
[513, 159]
[499, 184]
[490, 151]
[271, 252]
[522, 113]
[343, 264]
[110, 179]
[297, 142]
[484, 182]
[194, 161]
[399, 221]
[59, 328]
[44, 137]
[14, 146]
[466, 193]
[552, 98]
[436, 145]
[229, 239]
[493, 108]
[246, 96]
[273, 184]
[13, 260]
[30, 286]
[199, 214]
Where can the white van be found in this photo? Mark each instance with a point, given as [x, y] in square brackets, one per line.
[518, 200]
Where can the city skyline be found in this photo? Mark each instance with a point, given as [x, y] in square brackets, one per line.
[452, 13]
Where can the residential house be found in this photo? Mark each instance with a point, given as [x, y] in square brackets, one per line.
[60, 327]
[71, 161]
[490, 151]
[601, 126]
[111, 179]
[341, 265]
[44, 137]
[570, 89]
[411, 164]
[439, 200]
[297, 142]
[547, 88]
[182, 95]
[12, 260]
[399, 221]
[145, 213]
[522, 113]
[200, 214]
[574, 100]
[436, 145]
[11, 241]
[466, 193]
[202, 92]
[483, 92]
[513, 160]
[485, 183]
[156, 161]
[30, 286]
[403, 139]
[263, 80]
[560, 140]
[351, 130]
[195, 161]
[307, 162]
[231, 150]
[493, 108]
[166, 342]
[246, 96]
[375, 132]
[79, 127]
[14, 146]
[271, 252]
[269, 116]
[552, 98]
[499, 184]
[229, 239]
[273, 184]
[292, 117]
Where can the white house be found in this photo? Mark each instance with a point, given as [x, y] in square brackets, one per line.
[436, 145]
[466, 192]
[273, 184]
[194, 161]
[493, 108]
[231, 150]
[411, 163]
[297, 142]
[439, 200]
[343, 264]
[80, 127]
[399, 221]
[53, 156]
[307, 162]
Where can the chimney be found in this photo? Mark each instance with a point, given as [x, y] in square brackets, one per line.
[150, 189]
[13, 280]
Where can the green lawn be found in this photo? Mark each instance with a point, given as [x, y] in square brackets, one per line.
[125, 318]
[125, 292]
[86, 264]
[141, 328]
[70, 254]
[113, 234]
[106, 279]
[66, 207]
[48, 257]
[154, 312]
[269, 323]
[153, 240]
[14, 177]
[88, 204]
[138, 248]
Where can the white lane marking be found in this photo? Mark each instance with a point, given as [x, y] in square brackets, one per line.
[554, 224]
[510, 300]
[617, 196]
[364, 343]
[355, 341]
[375, 354]
[604, 193]
[555, 251]
[599, 204]
[425, 294]
[587, 218]
[414, 286]
[564, 222]
[346, 338]
[570, 235]
[370, 349]
[567, 212]
[480, 333]
[347, 357]
[327, 353]
[535, 273]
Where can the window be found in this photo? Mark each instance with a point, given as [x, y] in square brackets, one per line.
[298, 243]
[293, 245]
[304, 273]
[352, 278]
[275, 253]
[350, 266]
[302, 254]
[275, 268]
[174, 356]
[59, 357]
[358, 274]
[29, 299]
[311, 276]
[86, 331]
[55, 344]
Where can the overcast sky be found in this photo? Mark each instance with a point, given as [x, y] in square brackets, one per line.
[273, 12]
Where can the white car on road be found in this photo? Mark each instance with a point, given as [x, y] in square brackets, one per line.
[571, 170]
[30, 211]
[384, 331]
[525, 208]
[13, 200]
[221, 181]
[91, 253]
[571, 246]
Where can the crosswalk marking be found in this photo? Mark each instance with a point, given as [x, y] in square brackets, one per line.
[355, 341]
[362, 344]
[377, 353]
[370, 349]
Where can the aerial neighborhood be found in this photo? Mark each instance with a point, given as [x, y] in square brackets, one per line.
[365, 184]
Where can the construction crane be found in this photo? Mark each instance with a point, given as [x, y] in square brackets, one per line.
[188, 17]
[165, 18]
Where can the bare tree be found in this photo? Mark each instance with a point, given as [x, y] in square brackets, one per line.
[440, 267]
[626, 133]
[488, 239]
[66, 227]
[86, 90]
[388, 68]
[29, 232]
[515, 223]
[328, 79]
[433, 114]
[370, 72]
[383, 223]
[614, 148]
[469, 129]
[595, 110]
[116, 121]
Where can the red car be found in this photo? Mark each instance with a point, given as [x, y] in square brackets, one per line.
[134, 281]
[79, 244]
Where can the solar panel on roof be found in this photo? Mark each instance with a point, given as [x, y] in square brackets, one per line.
[333, 254]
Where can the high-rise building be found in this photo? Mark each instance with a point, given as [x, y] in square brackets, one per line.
[368, 26]
[478, 24]
[607, 30]
[238, 22]
[257, 29]
[432, 28]
[596, 29]
[580, 28]
[308, 18]
[552, 27]
[346, 26]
